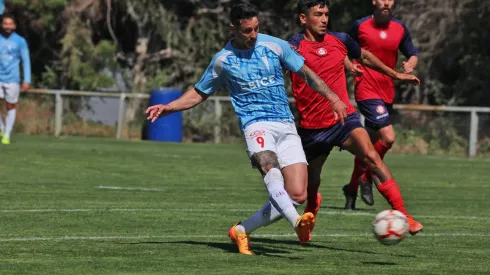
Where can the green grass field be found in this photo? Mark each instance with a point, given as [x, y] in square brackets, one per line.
[94, 206]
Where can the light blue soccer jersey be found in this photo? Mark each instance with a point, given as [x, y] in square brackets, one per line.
[254, 78]
[2, 7]
[13, 49]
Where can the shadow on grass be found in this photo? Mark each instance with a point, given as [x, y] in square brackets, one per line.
[355, 210]
[230, 247]
[379, 263]
[320, 246]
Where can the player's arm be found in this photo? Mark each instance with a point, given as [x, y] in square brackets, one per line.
[210, 81]
[354, 69]
[188, 100]
[409, 51]
[318, 85]
[26, 65]
[369, 60]
[410, 64]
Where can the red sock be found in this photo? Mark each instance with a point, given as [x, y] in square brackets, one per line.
[381, 148]
[359, 169]
[312, 191]
[389, 189]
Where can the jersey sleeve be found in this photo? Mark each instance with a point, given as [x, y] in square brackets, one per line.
[26, 61]
[354, 31]
[406, 44]
[212, 78]
[353, 49]
[292, 60]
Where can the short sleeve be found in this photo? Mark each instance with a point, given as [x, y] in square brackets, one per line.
[212, 78]
[291, 59]
[406, 44]
[353, 49]
[354, 31]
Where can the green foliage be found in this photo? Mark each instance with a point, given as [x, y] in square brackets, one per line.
[83, 61]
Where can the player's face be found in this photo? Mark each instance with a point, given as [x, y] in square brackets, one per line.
[316, 20]
[8, 25]
[383, 7]
[246, 33]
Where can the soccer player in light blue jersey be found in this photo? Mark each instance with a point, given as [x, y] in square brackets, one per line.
[13, 50]
[2, 7]
[251, 66]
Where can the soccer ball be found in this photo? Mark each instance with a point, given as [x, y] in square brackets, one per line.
[390, 227]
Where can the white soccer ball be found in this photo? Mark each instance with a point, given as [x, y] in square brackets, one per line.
[390, 227]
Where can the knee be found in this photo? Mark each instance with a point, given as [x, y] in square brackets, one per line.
[11, 106]
[388, 139]
[299, 197]
[265, 161]
[372, 159]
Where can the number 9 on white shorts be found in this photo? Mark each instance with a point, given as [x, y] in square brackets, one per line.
[279, 137]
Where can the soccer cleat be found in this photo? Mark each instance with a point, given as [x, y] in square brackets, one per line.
[5, 140]
[304, 225]
[366, 188]
[242, 240]
[414, 226]
[350, 198]
[316, 209]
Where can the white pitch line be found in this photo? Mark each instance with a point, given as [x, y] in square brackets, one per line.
[176, 237]
[198, 210]
[130, 188]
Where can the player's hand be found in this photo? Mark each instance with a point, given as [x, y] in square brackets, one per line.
[339, 110]
[25, 87]
[407, 67]
[355, 70]
[409, 78]
[156, 111]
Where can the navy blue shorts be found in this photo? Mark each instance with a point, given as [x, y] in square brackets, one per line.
[377, 113]
[319, 142]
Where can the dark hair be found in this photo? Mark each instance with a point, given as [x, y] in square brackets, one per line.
[8, 15]
[304, 6]
[242, 11]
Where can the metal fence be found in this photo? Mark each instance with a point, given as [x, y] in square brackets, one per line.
[472, 132]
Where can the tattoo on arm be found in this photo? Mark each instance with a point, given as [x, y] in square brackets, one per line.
[265, 161]
[317, 84]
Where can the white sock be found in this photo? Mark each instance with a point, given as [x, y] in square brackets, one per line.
[279, 197]
[9, 121]
[268, 214]
[265, 216]
[2, 125]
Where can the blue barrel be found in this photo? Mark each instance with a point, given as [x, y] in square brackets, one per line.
[169, 128]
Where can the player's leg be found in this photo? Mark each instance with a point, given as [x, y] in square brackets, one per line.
[314, 198]
[2, 97]
[261, 139]
[317, 147]
[359, 144]
[11, 97]
[377, 116]
[292, 160]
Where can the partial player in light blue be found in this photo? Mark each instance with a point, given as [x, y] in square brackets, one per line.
[254, 78]
[13, 50]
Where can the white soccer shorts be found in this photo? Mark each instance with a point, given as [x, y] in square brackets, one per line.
[279, 137]
[10, 92]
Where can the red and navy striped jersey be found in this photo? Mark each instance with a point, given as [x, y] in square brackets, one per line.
[326, 59]
[384, 43]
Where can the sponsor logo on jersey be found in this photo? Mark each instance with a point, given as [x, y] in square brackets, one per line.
[259, 83]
